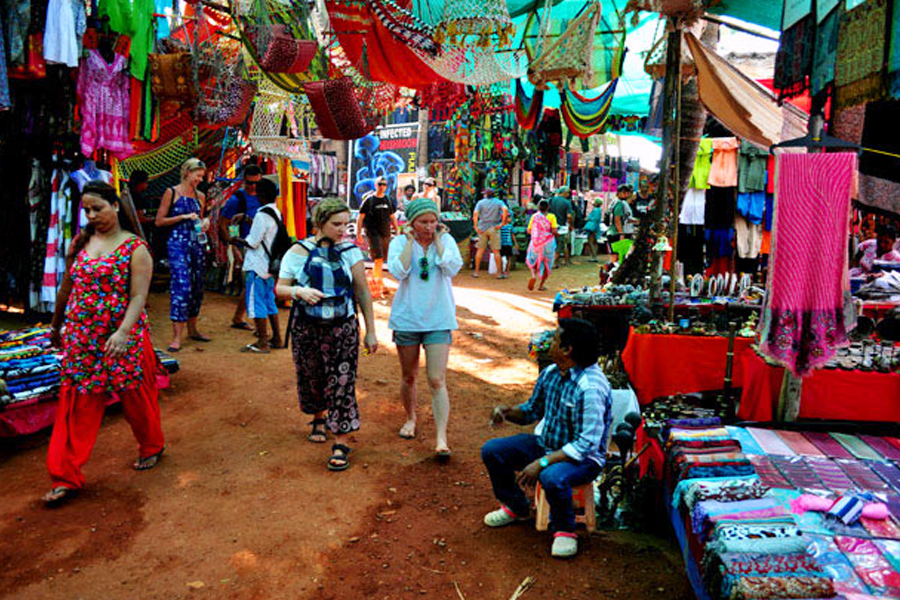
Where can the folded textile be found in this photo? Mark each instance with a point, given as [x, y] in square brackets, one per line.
[855, 446]
[725, 489]
[770, 442]
[768, 472]
[697, 423]
[827, 444]
[881, 445]
[706, 509]
[702, 471]
[795, 469]
[873, 569]
[861, 475]
[738, 576]
[677, 434]
[758, 539]
[719, 442]
[835, 565]
[678, 452]
[832, 476]
[798, 443]
[888, 471]
[881, 528]
[748, 443]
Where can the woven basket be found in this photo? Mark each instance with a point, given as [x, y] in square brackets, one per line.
[339, 114]
[279, 52]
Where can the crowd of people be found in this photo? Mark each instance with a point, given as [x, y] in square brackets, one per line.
[102, 329]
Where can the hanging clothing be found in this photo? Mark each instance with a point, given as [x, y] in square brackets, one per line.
[720, 205]
[691, 240]
[693, 207]
[748, 237]
[826, 52]
[55, 251]
[860, 54]
[803, 315]
[751, 168]
[793, 61]
[702, 163]
[66, 23]
[18, 20]
[752, 206]
[104, 96]
[723, 170]
[187, 263]
[5, 101]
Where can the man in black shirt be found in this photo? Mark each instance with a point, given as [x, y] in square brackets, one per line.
[377, 219]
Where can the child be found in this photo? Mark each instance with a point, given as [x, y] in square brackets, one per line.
[506, 248]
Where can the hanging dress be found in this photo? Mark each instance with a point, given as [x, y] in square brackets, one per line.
[104, 100]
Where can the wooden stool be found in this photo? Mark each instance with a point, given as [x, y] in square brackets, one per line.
[582, 497]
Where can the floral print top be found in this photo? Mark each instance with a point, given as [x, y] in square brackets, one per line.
[100, 296]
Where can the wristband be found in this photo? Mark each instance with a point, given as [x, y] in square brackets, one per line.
[544, 462]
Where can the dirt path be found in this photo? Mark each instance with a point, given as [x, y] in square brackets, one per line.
[242, 506]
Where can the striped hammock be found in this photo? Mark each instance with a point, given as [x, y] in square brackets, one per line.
[584, 116]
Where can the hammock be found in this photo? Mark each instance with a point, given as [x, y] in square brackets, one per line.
[268, 120]
[585, 117]
[569, 57]
[528, 110]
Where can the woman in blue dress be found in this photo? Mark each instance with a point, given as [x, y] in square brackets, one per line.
[181, 210]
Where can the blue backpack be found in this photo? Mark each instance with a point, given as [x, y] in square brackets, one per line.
[325, 271]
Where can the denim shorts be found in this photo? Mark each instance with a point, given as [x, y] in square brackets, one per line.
[425, 338]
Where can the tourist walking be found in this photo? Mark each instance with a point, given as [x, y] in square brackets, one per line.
[238, 213]
[326, 278]
[542, 249]
[181, 210]
[562, 208]
[104, 334]
[592, 225]
[424, 261]
[377, 219]
[489, 217]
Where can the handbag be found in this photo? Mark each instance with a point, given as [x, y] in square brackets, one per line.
[278, 51]
[339, 114]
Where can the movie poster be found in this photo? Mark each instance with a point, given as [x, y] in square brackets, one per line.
[390, 151]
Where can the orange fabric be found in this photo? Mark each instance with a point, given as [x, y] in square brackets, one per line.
[723, 171]
[826, 394]
[78, 419]
[662, 365]
[766, 247]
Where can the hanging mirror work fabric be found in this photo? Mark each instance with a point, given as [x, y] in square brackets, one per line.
[584, 117]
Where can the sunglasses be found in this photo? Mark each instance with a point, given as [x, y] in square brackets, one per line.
[423, 268]
[429, 185]
[382, 184]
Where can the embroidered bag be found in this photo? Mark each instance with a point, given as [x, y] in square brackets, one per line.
[325, 271]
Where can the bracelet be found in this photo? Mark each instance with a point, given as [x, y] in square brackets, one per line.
[294, 292]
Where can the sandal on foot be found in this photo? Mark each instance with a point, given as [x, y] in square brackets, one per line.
[443, 455]
[200, 338]
[243, 325]
[172, 349]
[148, 462]
[255, 348]
[407, 433]
[340, 457]
[58, 495]
[318, 434]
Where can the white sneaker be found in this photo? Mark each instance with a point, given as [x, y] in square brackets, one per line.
[501, 517]
[564, 545]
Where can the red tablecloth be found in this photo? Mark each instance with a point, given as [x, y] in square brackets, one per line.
[662, 365]
[827, 393]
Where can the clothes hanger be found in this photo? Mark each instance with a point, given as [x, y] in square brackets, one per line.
[821, 142]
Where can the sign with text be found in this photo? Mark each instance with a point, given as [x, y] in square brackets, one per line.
[386, 152]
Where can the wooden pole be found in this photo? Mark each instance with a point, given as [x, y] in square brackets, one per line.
[676, 200]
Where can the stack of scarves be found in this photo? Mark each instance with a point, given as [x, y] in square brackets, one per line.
[28, 369]
[701, 448]
[763, 535]
[739, 576]
[724, 489]
[709, 512]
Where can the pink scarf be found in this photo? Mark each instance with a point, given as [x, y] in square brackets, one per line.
[803, 317]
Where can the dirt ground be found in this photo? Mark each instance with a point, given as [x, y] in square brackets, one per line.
[242, 506]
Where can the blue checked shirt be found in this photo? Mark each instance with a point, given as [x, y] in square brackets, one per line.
[577, 411]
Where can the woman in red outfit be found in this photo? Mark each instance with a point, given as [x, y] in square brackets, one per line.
[105, 343]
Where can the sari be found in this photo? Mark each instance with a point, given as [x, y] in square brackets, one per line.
[542, 248]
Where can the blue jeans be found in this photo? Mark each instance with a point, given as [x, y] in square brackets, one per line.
[504, 456]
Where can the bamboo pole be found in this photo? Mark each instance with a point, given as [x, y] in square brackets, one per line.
[676, 200]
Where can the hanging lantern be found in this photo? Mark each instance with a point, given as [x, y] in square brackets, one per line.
[475, 22]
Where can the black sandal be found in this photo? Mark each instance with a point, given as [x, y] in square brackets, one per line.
[342, 453]
[318, 431]
[148, 462]
[58, 495]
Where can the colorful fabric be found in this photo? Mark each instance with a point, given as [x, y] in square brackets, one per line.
[759, 539]
[728, 489]
[723, 171]
[832, 476]
[585, 116]
[803, 318]
[702, 165]
[770, 442]
[187, 262]
[100, 296]
[799, 444]
[793, 61]
[768, 472]
[827, 444]
[752, 168]
[797, 472]
[855, 446]
[743, 576]
[893, 63]
[705, 510]
[747, 441]
[104, 98]
[835, 565]
[528, 110]
[873, 569]
[542, 248]
[861, 475]
[822, 73]
[326, 354]
[881, 528]
[860, 54]
[888, 471]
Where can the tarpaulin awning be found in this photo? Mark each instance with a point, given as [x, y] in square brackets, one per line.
[766, 13]
[742, 105]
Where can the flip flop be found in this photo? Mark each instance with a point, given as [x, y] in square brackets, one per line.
[242, 325]
[58, 495]
[443, 455]
[200, 338]
[254, 348]
[148, 462]
[406, 435]
[339, 452]
[173, 349]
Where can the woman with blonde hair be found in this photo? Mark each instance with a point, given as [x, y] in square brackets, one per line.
[326, 278]
[181, 210]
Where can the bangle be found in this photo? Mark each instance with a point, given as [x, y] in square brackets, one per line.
[294, 292]
[54, 329]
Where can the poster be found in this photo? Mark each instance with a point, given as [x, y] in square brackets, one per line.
[794, 10]
[389, 151]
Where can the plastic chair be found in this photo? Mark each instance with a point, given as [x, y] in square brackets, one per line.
[582, 497]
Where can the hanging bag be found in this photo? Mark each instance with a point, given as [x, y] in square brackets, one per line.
[277, 48]
[325, 271]
[339, 114]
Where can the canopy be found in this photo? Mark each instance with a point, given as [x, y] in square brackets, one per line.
[766, 13]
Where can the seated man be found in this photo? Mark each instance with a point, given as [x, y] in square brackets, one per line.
[568, 449]
[883, 247]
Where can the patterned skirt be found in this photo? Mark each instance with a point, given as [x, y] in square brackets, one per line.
[326, 354]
